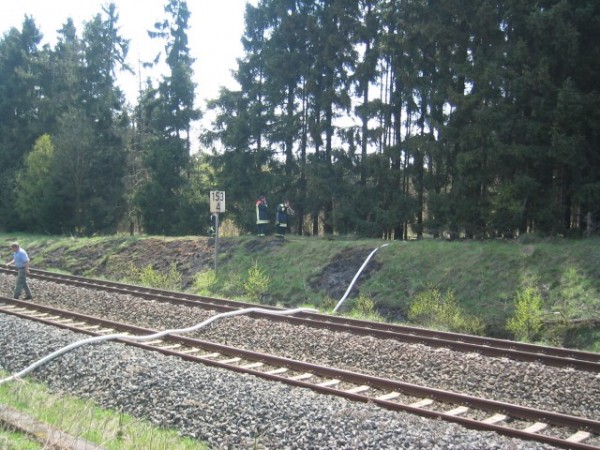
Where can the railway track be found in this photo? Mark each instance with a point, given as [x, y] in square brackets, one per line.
[553, 356]
[561, 430]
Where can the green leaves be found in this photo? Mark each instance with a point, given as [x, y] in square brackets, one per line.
[526, 322]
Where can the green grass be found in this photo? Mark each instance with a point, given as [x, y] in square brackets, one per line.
[79, 418]
[485, 277]
[10, 440]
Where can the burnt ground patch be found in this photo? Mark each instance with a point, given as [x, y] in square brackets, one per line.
[189, 256]
[114, 260]
[335, 278]
[264, 243]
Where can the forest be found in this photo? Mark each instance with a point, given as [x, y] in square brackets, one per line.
[392, 119]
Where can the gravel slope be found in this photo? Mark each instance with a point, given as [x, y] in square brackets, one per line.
[224, 409]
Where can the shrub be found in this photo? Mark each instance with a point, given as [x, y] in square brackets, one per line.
[526, 322]
[204, 282]
[364, 307]
[148, 276]
[327, 304]
[256, 283]
[574, 298]
[433, 309]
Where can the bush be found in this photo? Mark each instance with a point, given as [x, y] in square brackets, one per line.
[147, 276]
[327, 304]
[432, 309]
[204, 282]
[364, 305]
[364, 308]
[256, 283]
[526, 322]
[574, 298]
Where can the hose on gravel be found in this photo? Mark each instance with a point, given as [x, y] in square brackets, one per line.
[160, 334]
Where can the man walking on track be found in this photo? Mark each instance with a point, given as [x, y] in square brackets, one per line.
[21, 262]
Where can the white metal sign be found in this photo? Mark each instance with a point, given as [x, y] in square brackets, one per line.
[217, 201]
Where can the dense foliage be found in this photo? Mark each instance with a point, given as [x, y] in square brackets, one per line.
[382, 118]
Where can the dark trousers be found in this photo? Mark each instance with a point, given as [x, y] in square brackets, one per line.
[261, 228]
[22, 284]
[281, 229]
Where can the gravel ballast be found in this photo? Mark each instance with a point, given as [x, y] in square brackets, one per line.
[528, 384]
[225, 409]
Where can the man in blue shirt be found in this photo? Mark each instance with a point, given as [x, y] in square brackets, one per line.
[21, 262]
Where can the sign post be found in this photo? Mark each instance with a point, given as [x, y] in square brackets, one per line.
[217, 205]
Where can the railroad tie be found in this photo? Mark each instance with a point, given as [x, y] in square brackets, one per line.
[458, 411]
[252, 365]
[191, 350]
[580, 436]
[277, 371]
[390, 396]
[358, 389]
[329, 383]
[422, 403]
[302, 376]
[230, 361]
[495, 419]
[538, 426]
[169, 347]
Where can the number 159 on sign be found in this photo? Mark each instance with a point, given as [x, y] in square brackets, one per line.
[217, 201]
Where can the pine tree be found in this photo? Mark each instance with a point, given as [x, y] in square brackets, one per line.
[167, 112]
[19, 102]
